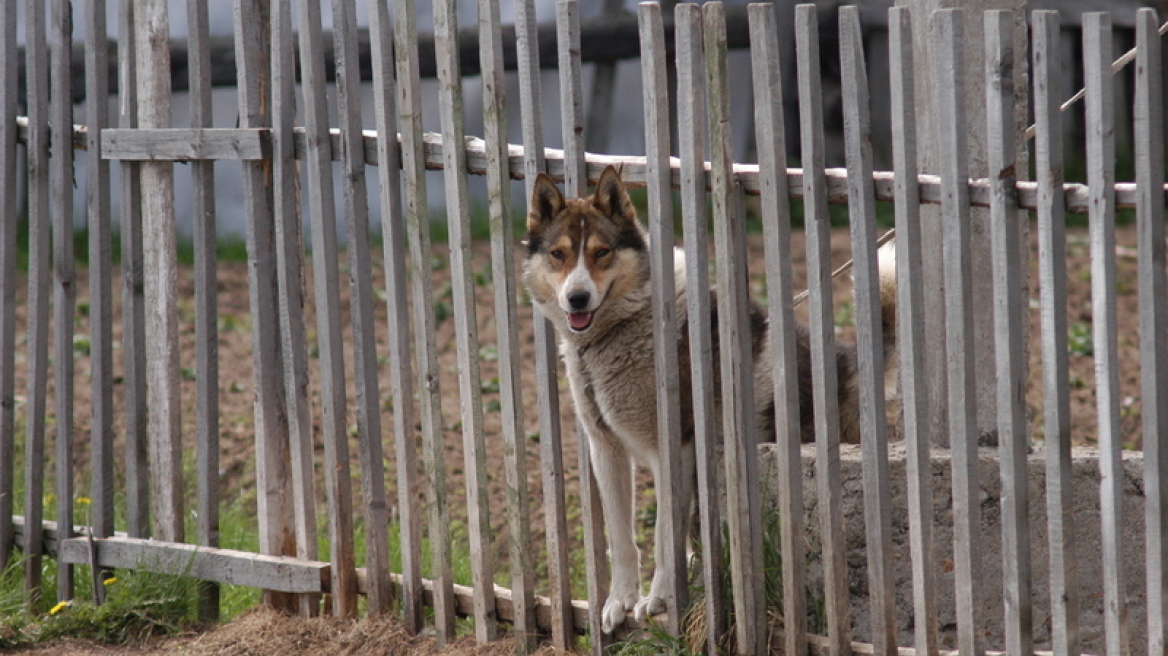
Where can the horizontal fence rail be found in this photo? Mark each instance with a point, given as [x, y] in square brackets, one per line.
[380, 425]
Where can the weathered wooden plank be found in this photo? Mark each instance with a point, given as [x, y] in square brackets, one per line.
[822, 332]
[164, 405]
[273, 463]
[133, 293]
[743, 510]
[546, 379]
[418, 234]
[354, 193]
[692, 124]
[64, 270]
[327, 295]
[9, 211]
[1097, 48]
[910, 330]
[205, 563]
[201, 142]
[1052, 275]
[506, 322]
[869, 333]
[1010, 324]
[465, 316]
[206, 305]
[670, 537]
[37, 77]
[1149, 154]
[397, 301]
[948, 44]
[286, 208]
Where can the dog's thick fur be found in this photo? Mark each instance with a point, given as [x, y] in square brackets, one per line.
[587, 270]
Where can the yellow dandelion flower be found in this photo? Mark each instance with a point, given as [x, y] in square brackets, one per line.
[110, 581]
[60, 607]
[84, 500]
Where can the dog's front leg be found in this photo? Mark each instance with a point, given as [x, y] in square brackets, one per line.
[656, 602]
[614, 477]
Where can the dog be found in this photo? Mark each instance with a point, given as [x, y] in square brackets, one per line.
[587, 270]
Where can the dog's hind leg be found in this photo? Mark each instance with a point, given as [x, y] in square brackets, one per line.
[683, 494]
[614, 476]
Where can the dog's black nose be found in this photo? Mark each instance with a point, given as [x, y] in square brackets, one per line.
[578, 300]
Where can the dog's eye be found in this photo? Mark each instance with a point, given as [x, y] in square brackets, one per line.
[558, 254]
[601, 252]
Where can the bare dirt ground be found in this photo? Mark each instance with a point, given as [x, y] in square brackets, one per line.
[263, 633]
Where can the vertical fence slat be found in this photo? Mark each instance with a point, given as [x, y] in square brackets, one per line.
[133, 290]
[100, 278]
[775, 213]
[1097, 47]
[1052, 273]
[669, 538]
[1010, 325]
[1149, 155]
[869, 333]
[546, 379]
[151, 36]
[506, 321]
[397, 301]
[286, 208]
[273, 475]
[822, 331]
[37, 76]
[948, 44]
[738, 426]
[465, 321]
[379, 592]
[206, 305]
[418, 235]
[910, 330]
[322, 223]
[9, 208]
[576, 185]
[64, 271]
[691, 122]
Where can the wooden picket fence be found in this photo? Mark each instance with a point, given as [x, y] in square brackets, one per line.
[284, 129]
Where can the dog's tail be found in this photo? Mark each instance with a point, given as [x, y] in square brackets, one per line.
[886, 262]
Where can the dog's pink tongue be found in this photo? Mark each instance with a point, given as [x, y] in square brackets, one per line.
[579, 320]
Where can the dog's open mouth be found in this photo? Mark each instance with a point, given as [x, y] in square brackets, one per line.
[580, 321]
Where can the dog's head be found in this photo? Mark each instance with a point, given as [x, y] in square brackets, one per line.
[583, 253]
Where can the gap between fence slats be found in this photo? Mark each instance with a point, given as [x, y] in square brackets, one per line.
[692, 124]
[1010, 326]
[669, 538]
[1149, 164]
[546, 378]
[825, 376]
[39, 212]
[286, 208]
[397, 320]
[910, 333]
[743, 509]
[465, 322]
[9, 203]
[418, 236]
[133, 299]
[322, 222]
[948, 43]
[364, 345]
[868, 289]
[1097, 48]
[1052, 275]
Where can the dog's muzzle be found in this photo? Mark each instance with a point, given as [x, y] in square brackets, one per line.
[579, 318]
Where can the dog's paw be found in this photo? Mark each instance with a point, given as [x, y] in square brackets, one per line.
[615, 610]
[648, 607]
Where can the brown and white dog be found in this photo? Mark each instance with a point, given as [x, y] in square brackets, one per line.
[587, 269]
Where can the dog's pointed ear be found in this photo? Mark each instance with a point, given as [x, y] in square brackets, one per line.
[546, 202]
[612, 198]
